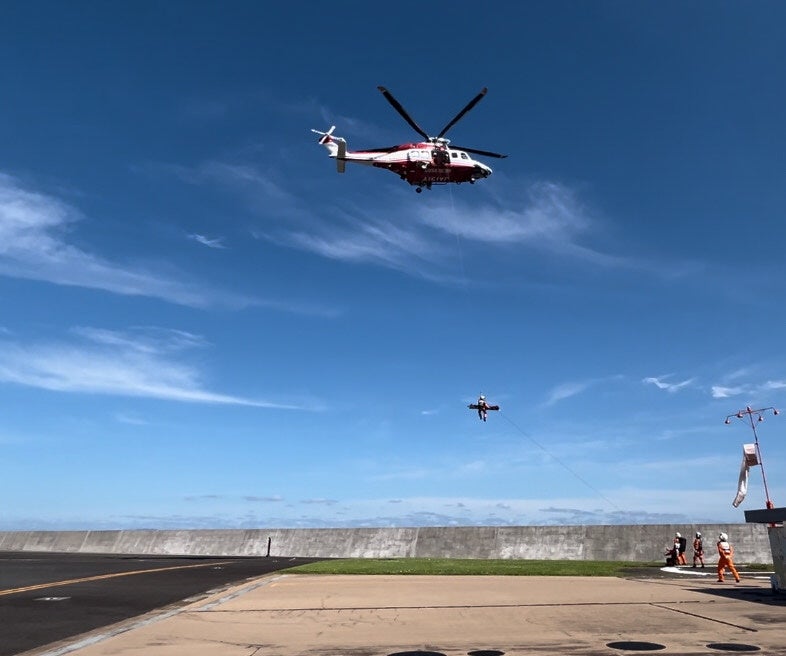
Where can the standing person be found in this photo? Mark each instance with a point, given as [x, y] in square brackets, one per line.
[681, 544]
[726, 557]
[698, 550]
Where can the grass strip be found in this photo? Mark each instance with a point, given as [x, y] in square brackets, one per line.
[470, 567]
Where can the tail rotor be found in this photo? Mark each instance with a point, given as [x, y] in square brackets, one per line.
[336, 146]
[325, 135]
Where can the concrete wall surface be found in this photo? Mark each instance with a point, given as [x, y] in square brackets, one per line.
[638, 543]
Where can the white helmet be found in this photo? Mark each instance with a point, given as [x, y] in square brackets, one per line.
[677, 535]
[698, 535]
[482, 397]
[723, 537]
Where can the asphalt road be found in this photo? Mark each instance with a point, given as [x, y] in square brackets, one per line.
[49, 597]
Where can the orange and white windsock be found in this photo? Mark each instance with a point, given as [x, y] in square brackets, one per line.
[749, 459]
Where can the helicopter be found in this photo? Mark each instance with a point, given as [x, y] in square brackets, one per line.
[421, 163]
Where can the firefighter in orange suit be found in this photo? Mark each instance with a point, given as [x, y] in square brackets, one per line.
[726, 558]
[698, 550]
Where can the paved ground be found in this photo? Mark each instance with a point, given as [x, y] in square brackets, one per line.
[285, 614]
[46, 598]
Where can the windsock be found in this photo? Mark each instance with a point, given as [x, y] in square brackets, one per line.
[749, 459]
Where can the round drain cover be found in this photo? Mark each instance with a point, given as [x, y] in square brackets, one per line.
[633, 645]
[732, 646]
[486, 652]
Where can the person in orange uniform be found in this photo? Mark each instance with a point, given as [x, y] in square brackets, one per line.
[726, 558]
[698, 550]
[680, 544]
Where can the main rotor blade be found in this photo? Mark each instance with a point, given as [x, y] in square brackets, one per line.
[475, 151]
[458, 117]
[397, 106]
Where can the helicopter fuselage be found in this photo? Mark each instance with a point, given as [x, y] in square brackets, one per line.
[423, 164]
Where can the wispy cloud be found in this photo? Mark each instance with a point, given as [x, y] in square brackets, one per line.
[565, 391]
[661, 383]
[543, 217]
[255, 185]
[752, 389]
[367, 240]
[411, 238]
[132, 419]
[139, 363]
[572, 388]
[217, 242]
[547, 211]
[33, 245]
[721, 392]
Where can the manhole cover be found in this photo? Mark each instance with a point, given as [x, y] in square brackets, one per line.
[632, 645]
[486, 652]
[732, 646]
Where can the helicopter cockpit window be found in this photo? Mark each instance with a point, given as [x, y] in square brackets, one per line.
[464, 156]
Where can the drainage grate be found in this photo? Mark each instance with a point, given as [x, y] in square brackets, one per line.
[632, 645]
[732, 646]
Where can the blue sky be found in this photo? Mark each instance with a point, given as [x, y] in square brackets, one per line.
[204, 325]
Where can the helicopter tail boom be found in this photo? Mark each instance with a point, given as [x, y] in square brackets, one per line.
[336, 146]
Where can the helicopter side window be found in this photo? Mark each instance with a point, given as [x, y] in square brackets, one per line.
[453, 154]
[464, 156]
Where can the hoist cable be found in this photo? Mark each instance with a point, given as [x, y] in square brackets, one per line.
[560, 462]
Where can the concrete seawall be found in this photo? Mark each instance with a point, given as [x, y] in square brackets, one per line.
[642, 543]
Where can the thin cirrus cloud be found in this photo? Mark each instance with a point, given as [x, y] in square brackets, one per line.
[33, 246]
[216, 242]
[137, 363]
[565, 391]
[725, 391]
[722, 392]
[572, 388]
[661, 383]
[548, 218]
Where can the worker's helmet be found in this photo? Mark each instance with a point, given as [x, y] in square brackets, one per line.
[723, 537]
[677, 535]
[698, 535]
[482, 397]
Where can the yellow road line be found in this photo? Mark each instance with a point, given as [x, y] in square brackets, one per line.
[101, 577]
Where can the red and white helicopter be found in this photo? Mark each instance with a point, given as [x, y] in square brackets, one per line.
[423, 163]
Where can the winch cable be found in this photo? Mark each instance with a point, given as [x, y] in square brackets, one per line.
[560, 462]
[458, 239]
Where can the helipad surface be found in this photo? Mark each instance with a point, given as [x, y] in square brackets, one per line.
[285, 614]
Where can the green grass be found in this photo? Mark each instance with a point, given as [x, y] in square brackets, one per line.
[453, 567]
